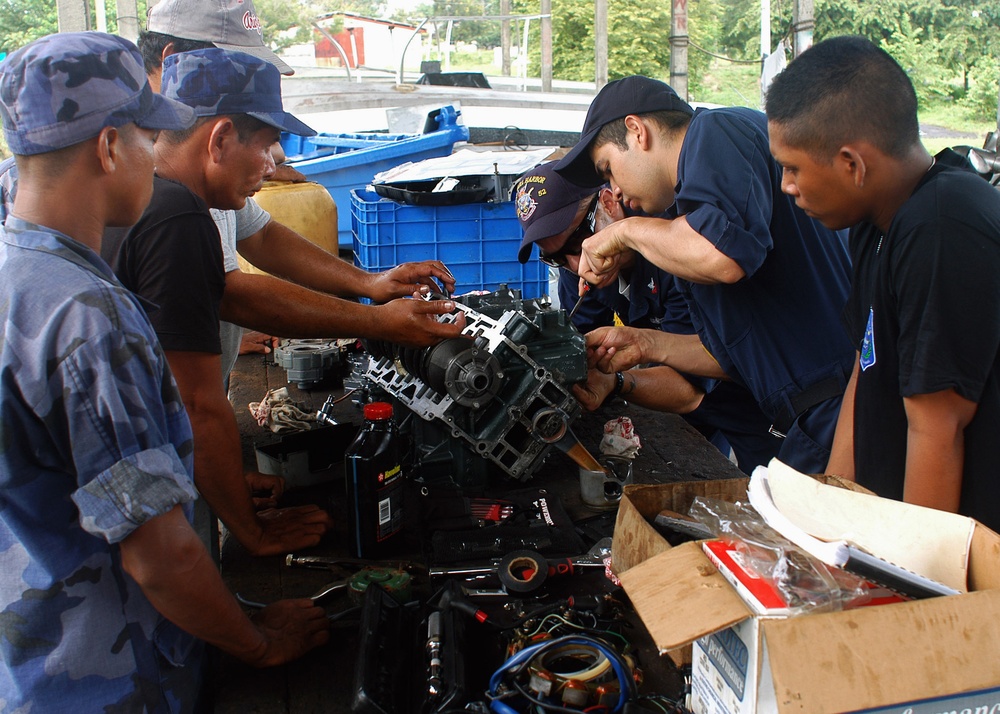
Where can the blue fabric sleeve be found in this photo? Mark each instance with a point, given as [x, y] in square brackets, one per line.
[134, 490]
[124, 419]
[726, 185]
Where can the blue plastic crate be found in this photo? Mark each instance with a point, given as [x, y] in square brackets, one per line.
[477, 241]
[342, 162]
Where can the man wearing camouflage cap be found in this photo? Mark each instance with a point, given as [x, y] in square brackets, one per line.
[183, 25]
[106, 589]
[175, 26]
[172, 257]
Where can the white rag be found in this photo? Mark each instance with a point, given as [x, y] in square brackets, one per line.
[277, 412]
[620, 439]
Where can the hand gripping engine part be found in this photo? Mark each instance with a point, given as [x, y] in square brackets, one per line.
[499, 392]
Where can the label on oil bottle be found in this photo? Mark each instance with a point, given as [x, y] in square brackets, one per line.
[390, 508]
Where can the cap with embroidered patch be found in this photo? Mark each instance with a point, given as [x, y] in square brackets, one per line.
[65, 88]
[546, 204]
[215, 81]
[616, 100]
[229, 24]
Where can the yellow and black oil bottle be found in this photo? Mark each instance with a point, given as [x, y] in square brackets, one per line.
[374, 479]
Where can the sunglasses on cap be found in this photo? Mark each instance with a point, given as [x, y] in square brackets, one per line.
[573, 244]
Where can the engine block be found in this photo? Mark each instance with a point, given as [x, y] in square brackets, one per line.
[497, 395]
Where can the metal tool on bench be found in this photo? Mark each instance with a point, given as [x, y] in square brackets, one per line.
[394, 580]
[525, 571]
[336, 563]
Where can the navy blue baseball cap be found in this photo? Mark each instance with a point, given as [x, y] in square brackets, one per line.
[65, 88]
[616, 100]
[214, 82]
[546, 204]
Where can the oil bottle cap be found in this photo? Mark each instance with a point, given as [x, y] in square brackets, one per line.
[378, 411]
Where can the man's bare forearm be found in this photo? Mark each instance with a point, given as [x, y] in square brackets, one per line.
[277, 307]
[281, 251]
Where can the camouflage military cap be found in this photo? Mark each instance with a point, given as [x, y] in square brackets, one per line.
[229, 24]
[214, 82]
[65, 88]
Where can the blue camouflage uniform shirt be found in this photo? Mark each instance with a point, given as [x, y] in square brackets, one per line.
[95, 443]
[8, 186]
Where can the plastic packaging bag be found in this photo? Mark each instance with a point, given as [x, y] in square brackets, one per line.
[806, 584]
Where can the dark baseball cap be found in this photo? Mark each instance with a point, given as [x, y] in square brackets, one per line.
[65, 88]
[229, 24]
[214, 81]
[546, 204]
[616, 100]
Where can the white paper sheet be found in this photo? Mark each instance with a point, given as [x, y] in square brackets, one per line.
[465, 163]
[926, 541]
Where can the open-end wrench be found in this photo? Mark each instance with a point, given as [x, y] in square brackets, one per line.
[524, 571]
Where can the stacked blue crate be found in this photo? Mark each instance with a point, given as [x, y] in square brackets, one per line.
[477, 241]
[342, 162]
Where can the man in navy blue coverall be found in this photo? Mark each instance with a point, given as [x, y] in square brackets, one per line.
[765, 284]
[558, 216]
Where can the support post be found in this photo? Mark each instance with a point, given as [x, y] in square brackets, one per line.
[803, 22]
[505, 38]
[546, 48]
[73, 15]
[600, 43]
[129, 22]
[679, 48]
[765, 28]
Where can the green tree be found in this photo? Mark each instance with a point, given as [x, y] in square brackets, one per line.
[485, 33]
[279, 16]
[638, 38]
[981, 99]
[938, 42]
[22, 21]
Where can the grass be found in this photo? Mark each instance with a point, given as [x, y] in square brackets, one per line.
[729, 84]
[481, 61]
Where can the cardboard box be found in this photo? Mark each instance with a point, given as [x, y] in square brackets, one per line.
[924, 656]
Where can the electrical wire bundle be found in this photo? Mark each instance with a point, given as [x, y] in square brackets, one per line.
[573, 673]
[599, 617]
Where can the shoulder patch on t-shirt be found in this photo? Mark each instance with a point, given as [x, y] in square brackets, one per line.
[868, 344]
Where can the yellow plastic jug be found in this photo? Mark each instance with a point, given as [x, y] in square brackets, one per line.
[307, 208]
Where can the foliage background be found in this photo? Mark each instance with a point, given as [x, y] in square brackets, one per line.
[950, 48]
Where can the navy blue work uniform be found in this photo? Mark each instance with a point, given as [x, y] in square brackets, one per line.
[647, 299]
[778, 330]
[728, 415]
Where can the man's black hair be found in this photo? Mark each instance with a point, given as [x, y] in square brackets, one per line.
[844, 89]
[152, 44]
[615, 132]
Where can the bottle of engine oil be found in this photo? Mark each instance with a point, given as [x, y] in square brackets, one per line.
[374, 485]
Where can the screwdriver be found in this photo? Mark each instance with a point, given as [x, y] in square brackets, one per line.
[579, 301]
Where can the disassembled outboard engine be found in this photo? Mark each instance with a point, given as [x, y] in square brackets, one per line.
[498, 396]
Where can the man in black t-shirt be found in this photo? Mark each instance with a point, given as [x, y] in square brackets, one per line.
[922, 410]
[172, 258]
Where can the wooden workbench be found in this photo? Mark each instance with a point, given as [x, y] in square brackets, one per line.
[321, 681]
